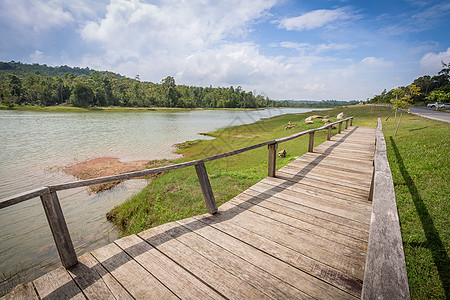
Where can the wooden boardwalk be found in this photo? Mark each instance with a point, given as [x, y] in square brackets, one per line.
[302, 234]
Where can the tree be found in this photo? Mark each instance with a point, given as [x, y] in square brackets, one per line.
[83, 95]
[439, 96]
[15, 85]
[403, 99]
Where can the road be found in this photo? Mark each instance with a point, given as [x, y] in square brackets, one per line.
[431, 114]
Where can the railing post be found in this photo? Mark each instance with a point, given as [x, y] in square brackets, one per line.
[311, 141]
[272, 166]
[351, 122]
[339, 128]
[206, 188]
[58, 226]
[346, 124]
[329, 133]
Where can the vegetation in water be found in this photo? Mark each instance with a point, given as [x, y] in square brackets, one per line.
[418, 156]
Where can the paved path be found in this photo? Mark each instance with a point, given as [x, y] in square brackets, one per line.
[300, 235]
[431, 114]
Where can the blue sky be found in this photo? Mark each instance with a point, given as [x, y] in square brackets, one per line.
[282, 49]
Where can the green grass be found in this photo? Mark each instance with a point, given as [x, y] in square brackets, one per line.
[418, 156]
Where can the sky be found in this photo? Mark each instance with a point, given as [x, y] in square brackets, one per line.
[282, 49]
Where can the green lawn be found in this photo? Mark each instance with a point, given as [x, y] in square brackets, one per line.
[418, 156]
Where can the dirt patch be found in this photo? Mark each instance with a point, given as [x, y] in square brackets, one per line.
[106, 166]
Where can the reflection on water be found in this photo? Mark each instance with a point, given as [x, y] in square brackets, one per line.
[36, 145]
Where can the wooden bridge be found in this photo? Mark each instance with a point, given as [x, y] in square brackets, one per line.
[302, 232]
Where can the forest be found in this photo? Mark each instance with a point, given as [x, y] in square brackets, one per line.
[430, 89]
[42, 85]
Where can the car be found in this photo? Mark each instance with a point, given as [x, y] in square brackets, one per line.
[444, 106]
[439, 105]
[436, 105]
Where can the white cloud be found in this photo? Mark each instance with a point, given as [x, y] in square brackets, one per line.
[314, 19]
[175, 38]
[318, 48]
[37, 57]
[374, 62]
[431, 62]
[37, 14]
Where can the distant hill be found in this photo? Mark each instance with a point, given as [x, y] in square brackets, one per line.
[34, 84]
[21, 69]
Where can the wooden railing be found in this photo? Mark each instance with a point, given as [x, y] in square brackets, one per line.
[55, 217]
[385, 272]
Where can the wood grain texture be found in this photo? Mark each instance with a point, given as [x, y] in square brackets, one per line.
[385, 276]
[21, 292]
[88, 279]
[178, 280]
[272, 161]
[57, 284]
[285, 272]
[132, 276]
[214, 276]
[205, 186]
[60, 232]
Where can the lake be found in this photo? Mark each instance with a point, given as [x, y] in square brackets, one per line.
[35, 146]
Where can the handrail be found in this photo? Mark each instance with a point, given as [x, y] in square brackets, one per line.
[385, 272]
[55, 216]
[15, 199]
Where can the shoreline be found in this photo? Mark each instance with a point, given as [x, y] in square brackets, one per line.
[106, 166]
[119, 108]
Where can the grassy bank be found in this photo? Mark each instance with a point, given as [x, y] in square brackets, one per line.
[419, 159]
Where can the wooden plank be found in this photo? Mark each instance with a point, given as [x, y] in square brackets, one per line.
[303, 162]
[88, 279]
[306, 235]
[350, 174]
[308, 257]
[321, 232]
[335, 186]
[344, 147]
[178, 280]
[285, 254]
[346, 150]
[344, 178]
[337, 207]
[338, 177]
[257, 277]
[350, 203]
[215, 277]
[301, 191]
[354, 162]
[298, 279]
[133, 277]
[351, 144]
[274, 205]
[57, 284]
[22, 291]
[385, 276]
[205, 185]
[60, 232]
[307, 244]
[312, 215]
